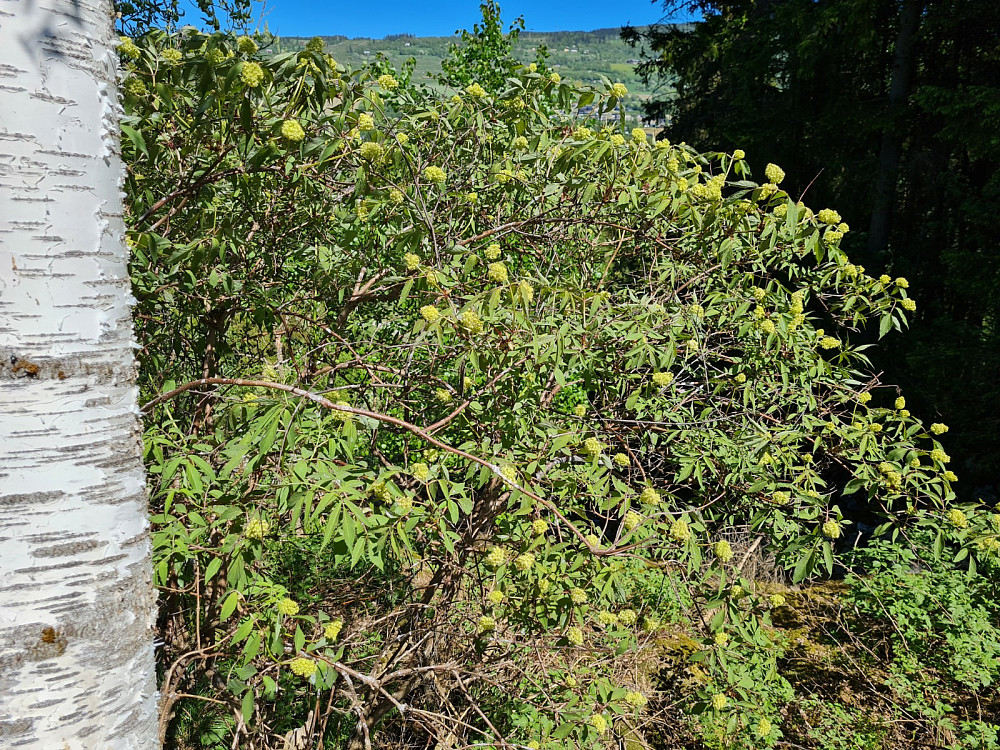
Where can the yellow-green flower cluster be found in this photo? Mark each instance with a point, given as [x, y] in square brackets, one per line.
[663, 379]
[938, 428]
[292, 131]
[592, 447]
[909, 304]
[471, 322]
[257, 528]
[628, 617]
[828, 216]
[287, 607]
[950, 476]
[940, 456]
[618, 90]
[957, 518]
[411, 261]
[497, 272]
[796, 303]
[829, 342]
[989, 545]
[492, 251]
[607, 619]
[332, 631]
[520, 143]
[495, 597]
[773, 173]
[574, 636]
[475, 91]
[723, 550]
[636, 699]
[620, 460]
[420, 471]
[380, 491]
[680, 531]
[739, 154]
[303, 667]
[649, 496]
[128, 48]
[430, 313]
[215, 56]
[442, 396]
[632, 521]
[252, 74]
[388, 82]
[135, 87]
[555, 78]
[763, 728]
[171, 55]
[578, 596]
[486, 624]
[598, 722]
[831, 529]
[497, 556]
[710, 190]
[526, 290]
[524, 562]
[246, 45]
[372, 151]
[902, 283]
[900, 402]
[435, 174]
[893, 479]
[719, 701]
[539, 527]
[721, 638]
[777, 600]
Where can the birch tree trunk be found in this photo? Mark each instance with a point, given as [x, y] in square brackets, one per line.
[76, 598]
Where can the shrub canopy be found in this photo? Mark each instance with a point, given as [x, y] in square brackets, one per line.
[455, 400]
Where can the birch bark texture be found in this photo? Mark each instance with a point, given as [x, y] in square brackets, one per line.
[77, 607]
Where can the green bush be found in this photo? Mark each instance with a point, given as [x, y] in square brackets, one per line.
[439, 386]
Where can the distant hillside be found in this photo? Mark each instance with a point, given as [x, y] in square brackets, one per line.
[580, 56]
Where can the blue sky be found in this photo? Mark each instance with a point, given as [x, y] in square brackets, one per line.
[443, 17]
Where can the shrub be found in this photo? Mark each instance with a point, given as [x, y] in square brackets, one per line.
[325, 449]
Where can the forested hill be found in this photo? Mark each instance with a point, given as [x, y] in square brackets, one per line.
[579, 56]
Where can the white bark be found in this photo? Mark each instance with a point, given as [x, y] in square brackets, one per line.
[76, 601]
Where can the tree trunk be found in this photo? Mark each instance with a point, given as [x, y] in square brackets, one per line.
[76, 597]
[904, 59]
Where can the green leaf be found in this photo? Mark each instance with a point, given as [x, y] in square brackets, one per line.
[136, 138]
[229, 605]
[246, 705]
[212, 568]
